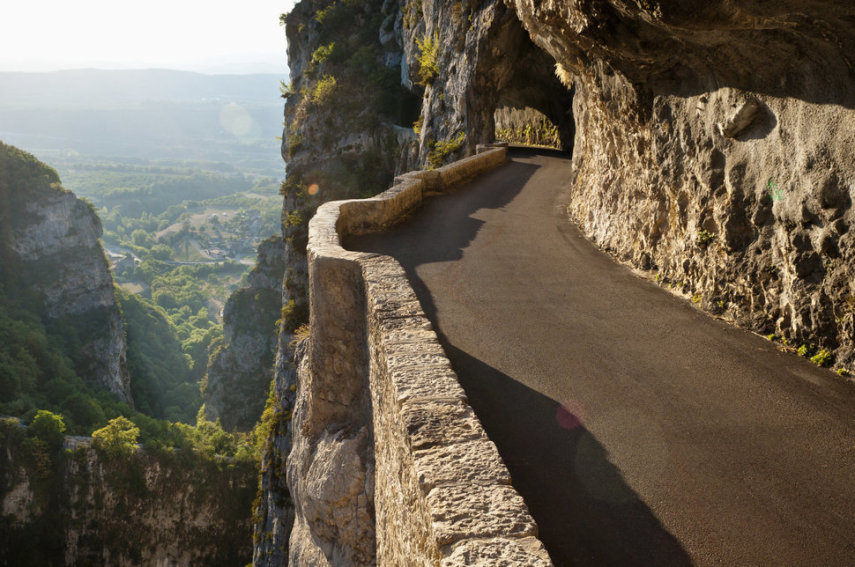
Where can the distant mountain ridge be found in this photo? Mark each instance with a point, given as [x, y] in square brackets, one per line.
[94, 87]
[148, 114]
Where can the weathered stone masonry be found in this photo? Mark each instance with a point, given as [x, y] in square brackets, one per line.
[390, 465]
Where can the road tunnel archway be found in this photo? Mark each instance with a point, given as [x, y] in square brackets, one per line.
[527, 103]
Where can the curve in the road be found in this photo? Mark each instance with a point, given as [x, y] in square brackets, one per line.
[639, 430]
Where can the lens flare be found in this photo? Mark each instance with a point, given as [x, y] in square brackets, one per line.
[570, 414]
[236, 120]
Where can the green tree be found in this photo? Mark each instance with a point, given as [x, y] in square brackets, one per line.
[118, 439]
[141, 238]
[83, 410]
[48, 427]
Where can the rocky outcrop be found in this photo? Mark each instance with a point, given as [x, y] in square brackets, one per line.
[273, 510]
[241, 369]
[53, 259]
[83, 508]
[347, 118]
[713, 143]
[347, 131]
[714, 149]
[484, 61]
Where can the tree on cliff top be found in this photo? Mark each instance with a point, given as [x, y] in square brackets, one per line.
[118, 439]
[48, 427]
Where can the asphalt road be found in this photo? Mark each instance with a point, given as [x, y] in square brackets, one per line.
[639, 430]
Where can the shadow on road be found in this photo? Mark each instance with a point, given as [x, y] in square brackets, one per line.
[586, 513]
[455, 223]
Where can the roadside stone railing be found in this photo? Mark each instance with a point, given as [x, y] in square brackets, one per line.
[442, 495]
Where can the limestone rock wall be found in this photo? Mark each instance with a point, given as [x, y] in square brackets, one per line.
[347, 126]
[484, 61]
[715, 148]
[240, 371]
[51, 252]
[390, 466]
[273, 510]
[346, 132]
[82, 508]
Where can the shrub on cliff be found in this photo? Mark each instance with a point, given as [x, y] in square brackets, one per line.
[324, 90]
[441, 150]
[118, 439]
[48, 427]
[428, 58]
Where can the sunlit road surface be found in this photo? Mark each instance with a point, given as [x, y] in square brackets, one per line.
[639, 430]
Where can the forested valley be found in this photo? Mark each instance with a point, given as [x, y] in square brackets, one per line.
[183, 172]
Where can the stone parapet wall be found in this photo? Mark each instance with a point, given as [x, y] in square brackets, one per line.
[441, 493]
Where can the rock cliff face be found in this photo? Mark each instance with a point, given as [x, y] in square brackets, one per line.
[484, 62]
[82, 508]
[239, 373]
[347, 131]
[52, 254]
[273, 511]
[713, 143]
[714, 148]
[347, 119]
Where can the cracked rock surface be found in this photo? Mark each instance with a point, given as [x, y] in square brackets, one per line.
[715, 148]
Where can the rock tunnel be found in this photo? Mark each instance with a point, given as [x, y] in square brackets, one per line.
[526, 101]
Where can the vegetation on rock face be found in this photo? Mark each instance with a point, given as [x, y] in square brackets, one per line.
[272, 510]
[428, 58]
[338, 138]
[413, 12]
[48, 427]
[705, 237]
[117, 439]
[442, 150]
[822, 358]
[540, 133]
[322, 53]
[29, 459]
[324, 92]
[240, 367]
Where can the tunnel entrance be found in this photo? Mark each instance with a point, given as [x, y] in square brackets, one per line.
[534, 108]
[529, 104]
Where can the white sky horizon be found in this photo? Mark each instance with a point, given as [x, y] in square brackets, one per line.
[211, 37]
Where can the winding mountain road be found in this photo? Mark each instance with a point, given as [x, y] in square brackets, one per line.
[639, 430]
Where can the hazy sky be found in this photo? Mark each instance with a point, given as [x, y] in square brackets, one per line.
[238, 36]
